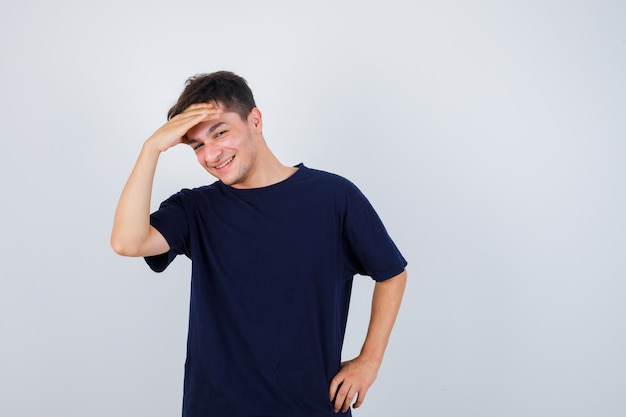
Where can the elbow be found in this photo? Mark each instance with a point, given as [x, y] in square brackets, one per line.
[124, 248]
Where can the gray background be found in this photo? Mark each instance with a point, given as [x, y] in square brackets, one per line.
[490, 136]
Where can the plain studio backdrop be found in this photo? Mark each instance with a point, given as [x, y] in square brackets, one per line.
[490, 137]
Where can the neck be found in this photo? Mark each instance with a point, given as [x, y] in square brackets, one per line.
[268, 170]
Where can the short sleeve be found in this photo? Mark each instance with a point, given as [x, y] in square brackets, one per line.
[375, 253]
[171, 220]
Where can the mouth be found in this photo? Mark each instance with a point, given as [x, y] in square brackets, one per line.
[226, 162]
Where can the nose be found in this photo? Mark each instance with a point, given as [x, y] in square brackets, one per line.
[212, 153]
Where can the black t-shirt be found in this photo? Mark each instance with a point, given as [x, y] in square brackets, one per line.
[272, 273]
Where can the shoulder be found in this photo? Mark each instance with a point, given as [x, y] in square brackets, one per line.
[327, 186]
[191, 196]
[328, 179]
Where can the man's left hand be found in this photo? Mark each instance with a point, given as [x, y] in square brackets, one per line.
[352, 381]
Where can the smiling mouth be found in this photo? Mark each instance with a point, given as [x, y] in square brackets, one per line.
[228, 161]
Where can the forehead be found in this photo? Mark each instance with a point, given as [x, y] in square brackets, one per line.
[206, 128]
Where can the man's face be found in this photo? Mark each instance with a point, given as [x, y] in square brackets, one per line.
[227, 147]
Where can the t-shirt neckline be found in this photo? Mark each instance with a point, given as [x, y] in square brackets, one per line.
[249, 191]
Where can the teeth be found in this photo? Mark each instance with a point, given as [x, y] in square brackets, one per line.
[225, 163]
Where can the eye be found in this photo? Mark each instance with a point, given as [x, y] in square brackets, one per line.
[220, 133]
[197, 146]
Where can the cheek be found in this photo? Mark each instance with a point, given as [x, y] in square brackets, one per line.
[200, 157]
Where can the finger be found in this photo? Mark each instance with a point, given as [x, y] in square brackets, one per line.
[348, 400]
[197, 109]
[342, 402]
[199, 106]
[188, 120]
[334, 387]
[200, 111]
[360, 398]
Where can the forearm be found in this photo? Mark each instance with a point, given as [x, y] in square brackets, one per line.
[131, 225]
[385, 306]
[357, 375]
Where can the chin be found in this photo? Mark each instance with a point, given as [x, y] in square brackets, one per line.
[229, 181]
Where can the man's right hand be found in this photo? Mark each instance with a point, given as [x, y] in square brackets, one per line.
[173, 132]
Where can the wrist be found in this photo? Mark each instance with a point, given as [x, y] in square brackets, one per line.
[374, 358]
[151, 147]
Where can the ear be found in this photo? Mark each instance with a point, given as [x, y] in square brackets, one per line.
[255, 119]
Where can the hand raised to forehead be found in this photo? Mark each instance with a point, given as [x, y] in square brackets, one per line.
[173, 132]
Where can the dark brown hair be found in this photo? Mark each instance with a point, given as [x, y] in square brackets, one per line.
[224, 88]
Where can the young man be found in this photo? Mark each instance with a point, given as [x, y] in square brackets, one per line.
[274, 249]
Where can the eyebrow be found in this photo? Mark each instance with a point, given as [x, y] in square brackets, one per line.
[211, 130]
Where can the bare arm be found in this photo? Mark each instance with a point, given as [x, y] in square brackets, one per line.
[357, 375]
[132, 233]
